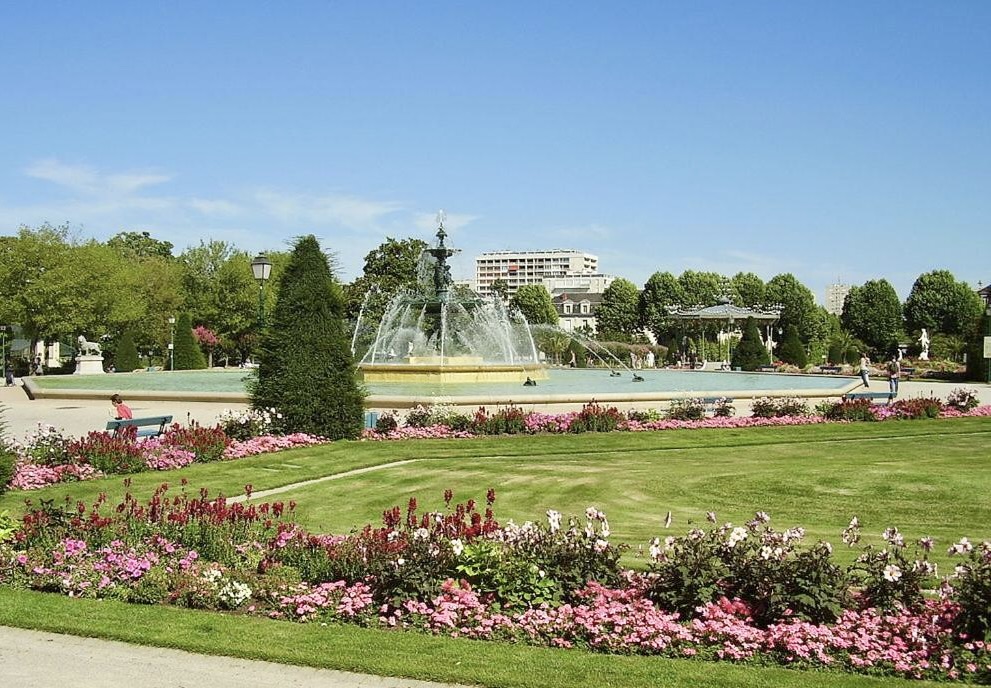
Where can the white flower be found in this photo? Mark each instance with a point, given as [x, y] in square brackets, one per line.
[400, 561]
[421, 534]
[892, 573]
[591, 512]
[600, 545]
[554, 520]
[457, 547]
[655, 548]
[669, 542]
[739, 534]
[962, 547]
[605, 527]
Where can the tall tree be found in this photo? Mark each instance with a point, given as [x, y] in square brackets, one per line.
[534, 302]
[792, 350]
[306, 370]
[701, 288]
[939, 303]
[389, 268]
[748, 290]
[661, 292]
[500, 288]
[188, 354]
[873, 314]
[750, 353]
[617, 317]
[140, 245]
[798, 306]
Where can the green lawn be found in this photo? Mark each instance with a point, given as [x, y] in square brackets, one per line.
[926, 477]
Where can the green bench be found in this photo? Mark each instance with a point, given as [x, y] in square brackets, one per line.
[153, 426]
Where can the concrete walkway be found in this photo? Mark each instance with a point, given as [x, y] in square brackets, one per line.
[32, 659]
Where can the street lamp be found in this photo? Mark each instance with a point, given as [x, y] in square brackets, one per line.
[172, 343]
[3, 349]
[261, 268]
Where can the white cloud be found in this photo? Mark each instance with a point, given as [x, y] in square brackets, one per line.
[86, 180]
[341, 210]
[219, 207]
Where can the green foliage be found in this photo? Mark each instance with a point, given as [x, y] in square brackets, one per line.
[947, 347]
[534, 302]
[939, 303]
[750, 353]
[763, 568]
[849, 410]
[596, 418]
[977, 365]
[798, 306]
[872, 313]
[617, 317]
[660, 292]
[126, 359]
[701, 288]
[110, 454]
[306, 370]
[133, 245]
[7, 459]
[972, 589]
[389, 268]
[792, 351]
[686, 409]
[778, 407]
[500, 288]
[748, 290]
[844, 348]
[188, 355]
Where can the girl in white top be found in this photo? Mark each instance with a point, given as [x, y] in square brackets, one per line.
[865, 369]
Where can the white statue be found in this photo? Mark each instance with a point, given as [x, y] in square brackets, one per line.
[924, 342]
[85, 347]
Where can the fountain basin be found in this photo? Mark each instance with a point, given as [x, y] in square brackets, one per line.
[449, 372]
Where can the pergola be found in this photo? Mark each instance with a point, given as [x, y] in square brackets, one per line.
[725, 315]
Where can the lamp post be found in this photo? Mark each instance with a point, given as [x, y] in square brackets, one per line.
[3, 349]
[261, 268]
[172, 342]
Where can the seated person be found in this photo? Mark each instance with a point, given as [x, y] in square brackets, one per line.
[530, 382]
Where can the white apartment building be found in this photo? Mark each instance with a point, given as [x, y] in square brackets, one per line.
[835, 296]
[517, 268]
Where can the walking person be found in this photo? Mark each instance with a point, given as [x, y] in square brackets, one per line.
[865, 369]
[894, 372]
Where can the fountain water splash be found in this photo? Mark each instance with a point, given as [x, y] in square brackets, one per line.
[437, 325]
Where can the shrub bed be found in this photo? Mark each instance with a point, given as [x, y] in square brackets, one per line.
[741, 593]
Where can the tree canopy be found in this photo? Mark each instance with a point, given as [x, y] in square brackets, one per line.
[939, 303]
[617, 317]
[534, 302]
[872, 313]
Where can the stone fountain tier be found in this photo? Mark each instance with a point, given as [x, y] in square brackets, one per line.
[451, 369]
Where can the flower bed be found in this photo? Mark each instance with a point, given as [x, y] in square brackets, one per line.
[46, 457]
[754, 594]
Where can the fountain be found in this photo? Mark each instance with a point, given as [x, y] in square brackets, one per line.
[438, 333]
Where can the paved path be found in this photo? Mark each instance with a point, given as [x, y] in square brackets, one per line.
[32, 659]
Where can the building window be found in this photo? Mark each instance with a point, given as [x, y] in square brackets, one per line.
[569, 308]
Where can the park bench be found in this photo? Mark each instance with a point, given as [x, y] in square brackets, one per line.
[872, 396]
[153, 425]
[768, 369]
[908, 371]
[830, 370]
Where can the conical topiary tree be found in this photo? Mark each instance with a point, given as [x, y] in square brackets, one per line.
[126, 359]
[750, 353]
[792, 351]
[188, 355]
[305, 367]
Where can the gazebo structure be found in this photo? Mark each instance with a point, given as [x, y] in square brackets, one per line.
[726, 317]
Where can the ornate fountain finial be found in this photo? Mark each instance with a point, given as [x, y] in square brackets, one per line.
[441, 234]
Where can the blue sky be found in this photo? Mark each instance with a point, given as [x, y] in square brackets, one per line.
[846, 140]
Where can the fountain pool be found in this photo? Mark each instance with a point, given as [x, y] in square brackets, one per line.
[562, 386]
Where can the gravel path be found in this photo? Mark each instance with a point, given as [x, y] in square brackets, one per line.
[32, 659]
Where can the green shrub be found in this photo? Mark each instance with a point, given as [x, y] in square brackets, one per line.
[750, 353]
[792, 350]
[187, 353]
[917, 408]
[767, 407]
[386, 422]
[646, 416]
[508, 420]
[962, 399]
[848, 409]
[972, 590]
[686, 409]
[306, 369]
[7, 459]
[595, 418]
[126, 359]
